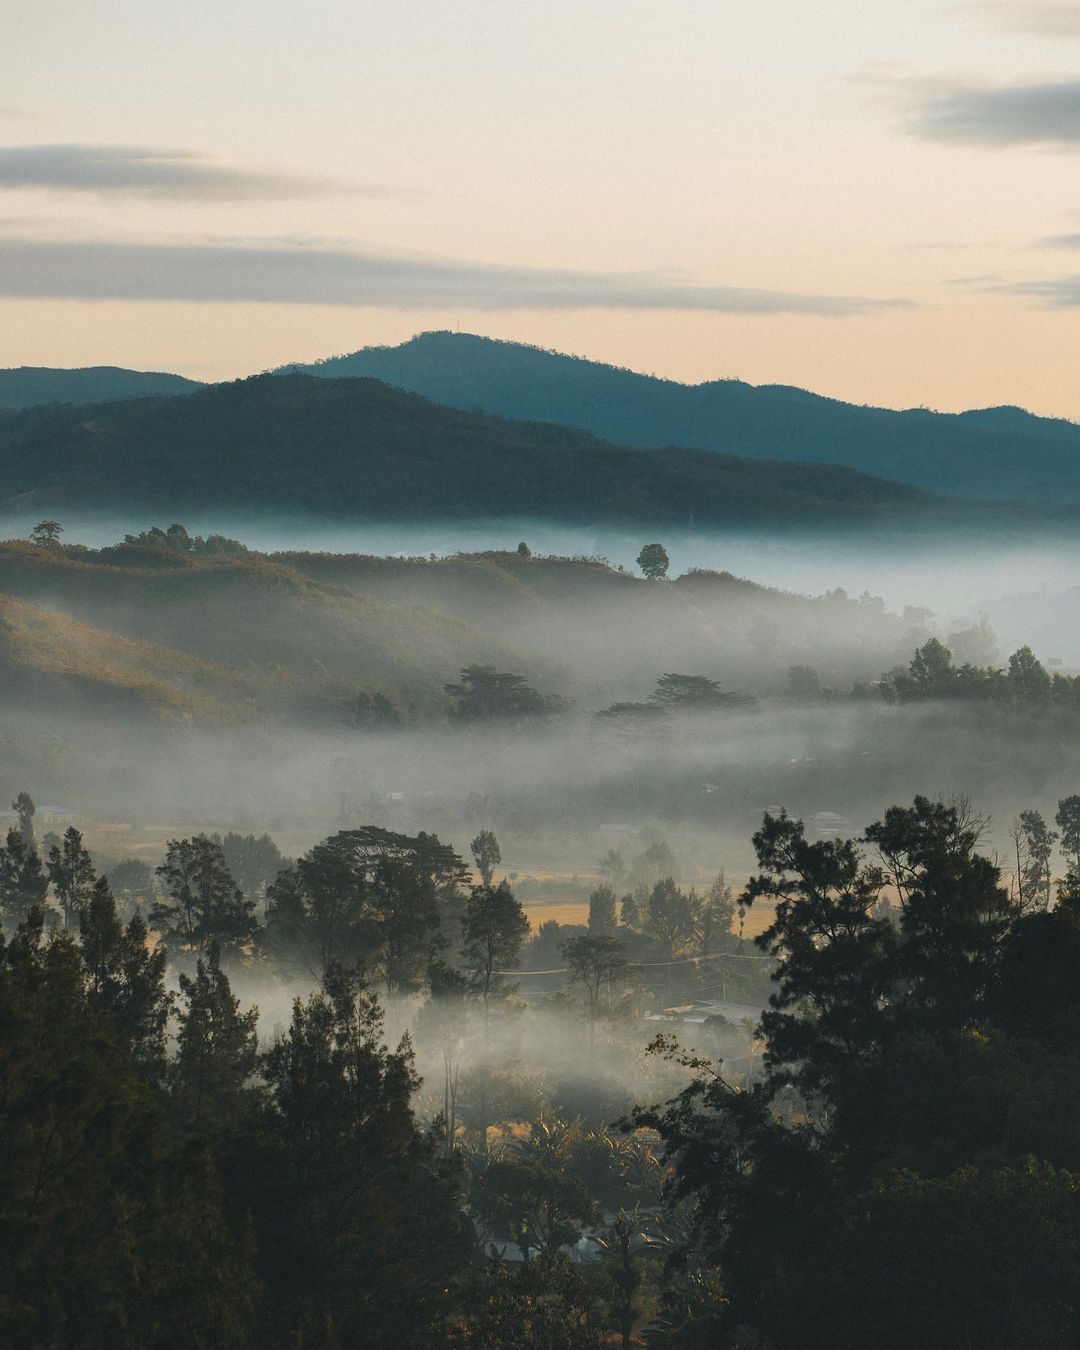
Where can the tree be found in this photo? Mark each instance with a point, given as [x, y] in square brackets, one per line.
[71, 871]
[653, 561]
[23, 885]
[110, 1236]
[126, 979]
[670, 918]
[1037, 842]
[523, 550]
[358, 1217]
[1067, 820]
[24, 808]
[602, 918]
[486, 854]
[613, 866]
[539, 1206]
[406, 924]
[254, 860]
[216, 1047]
[714, 917]
[367, 894]
[596, 961]
[486, 695]
[692, 693]
[493, 927]
[46, 533]
[1029, 682]
[543, 1304]
[202, 904]
[132, 882]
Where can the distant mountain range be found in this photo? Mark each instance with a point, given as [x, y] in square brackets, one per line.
[1003, 454]
[358, 449]
[31, 386]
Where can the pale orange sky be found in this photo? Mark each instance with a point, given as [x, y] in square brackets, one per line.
[852, 198]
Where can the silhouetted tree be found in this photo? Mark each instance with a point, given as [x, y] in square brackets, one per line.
[486, 694]
[46, 533]
[486, 854]
[25, 810]
[596, 961]
[653, 561]
[23, 885]
[494, 926]
[216, 1046]
[202, 903]
[602, 918]
[126, 979]
[71, 871]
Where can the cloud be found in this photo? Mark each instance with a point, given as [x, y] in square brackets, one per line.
[1059, 241]
[334, 276]
[140, 171]
[1005, 115]
[1054, 292]
[1045, 18]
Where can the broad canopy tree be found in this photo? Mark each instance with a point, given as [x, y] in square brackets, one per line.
[389, 899]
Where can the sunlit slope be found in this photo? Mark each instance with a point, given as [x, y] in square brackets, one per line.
[362, 450]
[256, 616]
[32, 386]
[1002, 453]
[52, 662]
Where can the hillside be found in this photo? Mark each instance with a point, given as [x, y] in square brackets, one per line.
[297, 637]
[1001, 453]
[360, 449]
[32, 386]
[243, 637]
[51, 661]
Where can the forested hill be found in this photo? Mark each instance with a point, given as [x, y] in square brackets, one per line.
[32, 386]
[1002, 453]
[360, 449]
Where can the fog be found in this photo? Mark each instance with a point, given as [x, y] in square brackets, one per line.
[1026, 583]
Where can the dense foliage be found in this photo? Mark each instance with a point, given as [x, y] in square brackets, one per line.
[891, 1158]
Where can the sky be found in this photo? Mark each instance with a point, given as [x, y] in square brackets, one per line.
[880, 203]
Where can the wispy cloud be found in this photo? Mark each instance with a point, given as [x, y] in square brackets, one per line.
[1053, 292]
[335, 276]
[1059, 241]
[142, 171]
[1002, 115]
[1046, 18]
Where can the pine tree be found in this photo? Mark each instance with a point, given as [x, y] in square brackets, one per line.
[216, 1046]
[23, 886]
[126, 979]
[71, 871]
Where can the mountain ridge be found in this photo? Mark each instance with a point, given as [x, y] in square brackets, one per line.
[360, 449]
[1002, 453]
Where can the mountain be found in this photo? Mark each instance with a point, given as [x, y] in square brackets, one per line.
[1001, 453]
[358, 449]
[32, 386]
